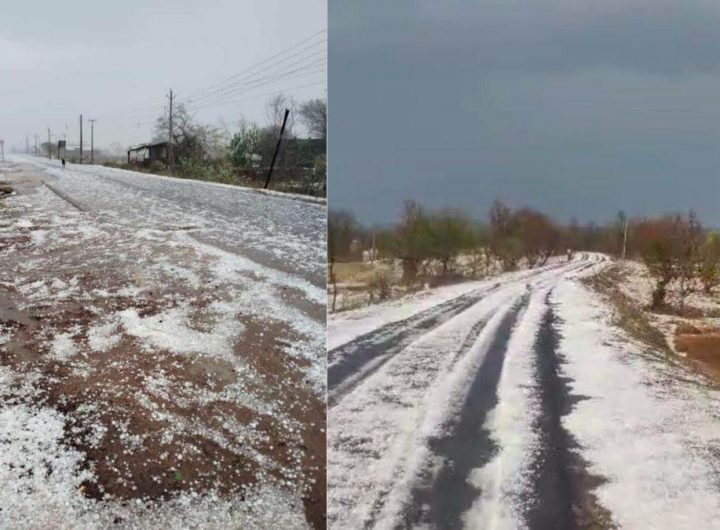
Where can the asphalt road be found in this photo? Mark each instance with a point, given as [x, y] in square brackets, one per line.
[287, 234]
[410, 404]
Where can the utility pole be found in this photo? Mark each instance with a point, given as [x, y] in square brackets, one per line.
[92, 140]
[81, 149]
[27, 144]
[171, 154]
[277, 148]
[36, 140]
[49, 146]
[625, 238]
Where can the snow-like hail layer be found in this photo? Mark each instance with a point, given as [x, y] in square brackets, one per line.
[652, 434]
[504, 481]
[271, 227]
[219, 223]
[171, 330]
[393, 413]
[378, 435]
[139, 224]
[41, 484]
[349, 325]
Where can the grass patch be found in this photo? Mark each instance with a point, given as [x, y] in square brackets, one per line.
[628, 315]
[357, 271]
[634, 319]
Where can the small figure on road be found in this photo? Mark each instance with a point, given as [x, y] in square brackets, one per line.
[63, 163]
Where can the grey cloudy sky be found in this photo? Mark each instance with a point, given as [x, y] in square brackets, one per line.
[577, 108]
[115, 61]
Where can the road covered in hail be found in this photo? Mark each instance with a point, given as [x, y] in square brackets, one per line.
[162, 352]
[514, 403]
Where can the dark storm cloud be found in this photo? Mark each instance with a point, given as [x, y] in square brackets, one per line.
[575, 107]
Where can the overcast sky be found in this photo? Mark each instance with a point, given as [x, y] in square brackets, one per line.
[574, 107]
[115, 61]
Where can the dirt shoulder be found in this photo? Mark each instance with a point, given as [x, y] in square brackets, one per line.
[177, 380]
[689, 336]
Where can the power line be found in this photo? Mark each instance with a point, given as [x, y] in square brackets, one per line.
[268, 78]
[242, 86]
[305, 58]
[254, 66]
[253, 73]
[267, 94]
[301, 72]
[153, 118]
[230, 82]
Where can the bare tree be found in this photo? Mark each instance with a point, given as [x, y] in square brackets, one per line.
[414, 239]
[275, 111]
[710, 262]
[689, 257]
[313, 114]
[342, 228]
[538, 236]
[503, 236]
[661, 248]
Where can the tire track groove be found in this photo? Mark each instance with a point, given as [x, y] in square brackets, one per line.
[443, 499]
[562, 487]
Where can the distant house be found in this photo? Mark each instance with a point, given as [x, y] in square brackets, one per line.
[146, 154]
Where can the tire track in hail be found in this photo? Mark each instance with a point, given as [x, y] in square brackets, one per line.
[445, 495]
[467, 343]
[365, 355]
[562, 486]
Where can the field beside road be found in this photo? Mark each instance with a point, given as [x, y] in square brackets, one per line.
[162, 352]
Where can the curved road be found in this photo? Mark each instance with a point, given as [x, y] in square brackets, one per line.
[465, 416]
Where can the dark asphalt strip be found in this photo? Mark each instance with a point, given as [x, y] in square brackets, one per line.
[562, 496]
[446, 495]
[387, 341]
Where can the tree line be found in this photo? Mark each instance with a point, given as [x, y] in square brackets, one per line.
[432, 243]
[242, 154]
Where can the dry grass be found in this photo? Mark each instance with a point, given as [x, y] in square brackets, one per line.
[628, 314]
[692, 345]
[353, 271]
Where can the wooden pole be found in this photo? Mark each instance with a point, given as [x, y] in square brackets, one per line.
[171, 154]
[277, 148]
[81, 146]
[92, 140]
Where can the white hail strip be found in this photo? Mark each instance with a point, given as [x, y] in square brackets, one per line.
[650, 436]
[378, 431]
[504, 480]
[443, 402]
